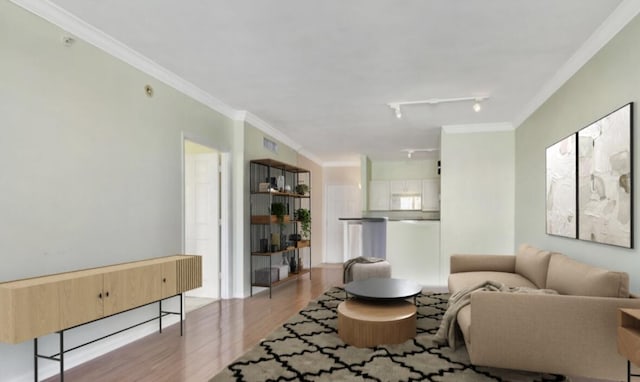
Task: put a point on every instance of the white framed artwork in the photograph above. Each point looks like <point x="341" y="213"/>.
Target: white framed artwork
<point x="605" y="202"/>
<point x="561" y="216"/>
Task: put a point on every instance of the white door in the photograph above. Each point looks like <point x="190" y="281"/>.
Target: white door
<point x="202" y="217"/>
<point x="343" y="201"/>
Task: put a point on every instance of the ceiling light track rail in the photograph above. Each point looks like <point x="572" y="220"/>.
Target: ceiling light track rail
<point x="396" y="106"/>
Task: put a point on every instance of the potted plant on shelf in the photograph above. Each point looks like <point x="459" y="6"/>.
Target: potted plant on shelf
<point x="279" y="210"/>
<point x="302" y="189"/>
<point x="303" y="215"/>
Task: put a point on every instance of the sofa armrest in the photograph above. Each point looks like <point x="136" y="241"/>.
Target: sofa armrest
<point x="571" y="335"/>
<point x="475" y="263"/>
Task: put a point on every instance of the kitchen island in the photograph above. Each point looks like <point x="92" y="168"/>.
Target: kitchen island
<point x="412" y="246"/>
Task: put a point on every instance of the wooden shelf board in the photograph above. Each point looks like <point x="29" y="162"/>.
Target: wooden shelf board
<point x="266" y="254"/>
<point x="279" y="165"/>
<point x="269" y="219"/>
<point x="292" y="276"/>
<point x="278" y="193"/>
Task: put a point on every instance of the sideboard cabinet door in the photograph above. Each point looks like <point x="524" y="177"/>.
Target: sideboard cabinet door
<point x="169" y="280"/>
<point x="132" y="287"/>
<point x="81" y="300"/>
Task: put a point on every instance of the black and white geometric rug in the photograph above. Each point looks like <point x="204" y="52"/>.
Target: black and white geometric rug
<point x="307" y="348"/>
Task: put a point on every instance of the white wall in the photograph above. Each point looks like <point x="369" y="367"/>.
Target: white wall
<point x="477" y="197"/>
<point x="90" y="167"/>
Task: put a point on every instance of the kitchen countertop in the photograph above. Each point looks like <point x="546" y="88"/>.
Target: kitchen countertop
<point x="389" y="219"/>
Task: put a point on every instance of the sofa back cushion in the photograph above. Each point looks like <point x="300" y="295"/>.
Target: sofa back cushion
<point x="533" y="264"/>
<point x="571" y="277"/>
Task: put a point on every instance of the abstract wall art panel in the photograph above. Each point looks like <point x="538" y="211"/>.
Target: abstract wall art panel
<point x="561" y="188"/>
<point x="605" y="205"/>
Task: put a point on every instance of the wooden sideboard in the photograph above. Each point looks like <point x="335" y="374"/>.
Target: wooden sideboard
<point x="38" y="306"/>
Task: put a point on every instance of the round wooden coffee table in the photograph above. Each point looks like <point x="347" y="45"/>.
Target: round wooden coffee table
<point x="366" y="324"/>
<point x="379" y="313"/>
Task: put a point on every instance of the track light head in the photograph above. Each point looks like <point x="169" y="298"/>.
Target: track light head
<point x="476" y="106"/>
<point x="396" y="109"/>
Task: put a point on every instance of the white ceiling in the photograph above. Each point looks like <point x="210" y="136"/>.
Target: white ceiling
<point x="322" y="71"/>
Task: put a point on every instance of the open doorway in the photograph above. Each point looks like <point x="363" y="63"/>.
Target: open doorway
<point x="343" y="240"/>
<point x="202" y="219"/>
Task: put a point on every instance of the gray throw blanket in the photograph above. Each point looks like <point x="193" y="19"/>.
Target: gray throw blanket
<point x="448" y="333"/>
<point x="347" y="276"/>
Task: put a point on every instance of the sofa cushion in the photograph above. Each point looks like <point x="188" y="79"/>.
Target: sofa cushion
<point x="571" y="277"/>
<point x="462" y="280"/>
<point x="533" y="264"/>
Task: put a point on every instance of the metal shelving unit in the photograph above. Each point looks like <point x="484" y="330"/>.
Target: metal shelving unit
<point x="275" y="243"/>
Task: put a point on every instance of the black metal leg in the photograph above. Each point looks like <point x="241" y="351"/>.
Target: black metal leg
<point x="62" y="356"/>
<point x="35" y="359"/>
<point x="181" y="319"/>
<point x="160" y="314"/>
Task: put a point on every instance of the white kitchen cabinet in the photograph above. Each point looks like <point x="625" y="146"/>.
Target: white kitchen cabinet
<point x="405" y="187"/>
<point x="431" y="195"/>
<point x="379" y="195"/>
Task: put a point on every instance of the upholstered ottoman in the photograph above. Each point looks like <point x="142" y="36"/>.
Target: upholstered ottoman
<point x="366" y="268"/>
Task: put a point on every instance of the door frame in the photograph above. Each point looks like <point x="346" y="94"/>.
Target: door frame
<point x="225" y="275"/>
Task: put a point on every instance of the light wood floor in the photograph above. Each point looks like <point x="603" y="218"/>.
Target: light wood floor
<point x="215" y="335"/>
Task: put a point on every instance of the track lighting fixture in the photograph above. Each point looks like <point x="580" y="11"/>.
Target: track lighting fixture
<point x="410" y="152"/>
<point x="396" y="108"/>
<point x="434" y="101"/>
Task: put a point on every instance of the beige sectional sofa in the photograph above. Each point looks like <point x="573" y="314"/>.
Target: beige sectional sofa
<point x="572" y="333"/>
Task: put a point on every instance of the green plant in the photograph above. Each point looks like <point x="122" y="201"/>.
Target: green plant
<point x="302" y="189"/>
<point x="303" y="215"/>
<point x="279" y="210"/>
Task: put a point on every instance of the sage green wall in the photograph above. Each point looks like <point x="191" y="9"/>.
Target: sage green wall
<point x="90" y="167"/>
<point x="609" y="80"/>
<point x="477" y="194"/>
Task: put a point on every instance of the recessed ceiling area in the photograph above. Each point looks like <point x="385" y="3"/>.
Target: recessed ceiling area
<point x="323" y="72"/>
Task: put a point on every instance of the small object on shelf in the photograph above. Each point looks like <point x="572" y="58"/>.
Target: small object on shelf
<point x="278" y="209"/>
<point x="264" y="187"/>
<point x="302" y="189"/>
<point x="264" y="245"/>
<point x="287" y="188"/>
<point x="303" y="215"/>
<point x="261" y="276"/>
<point x="275" y="240"/>
<point x="295" y="237"/>
<point x="284" y="267"/>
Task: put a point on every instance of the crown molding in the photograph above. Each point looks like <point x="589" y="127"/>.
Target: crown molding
<point x="266" y="128"/>
<point x="342" y="164"/>
<point x="94" y="36"/>
<point x="478" y="128"/>
<point x="311" y="156"/>
<point x="617" y="20"/>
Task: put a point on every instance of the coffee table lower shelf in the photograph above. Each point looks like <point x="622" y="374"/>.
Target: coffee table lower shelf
<point x="366" y="324"/>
